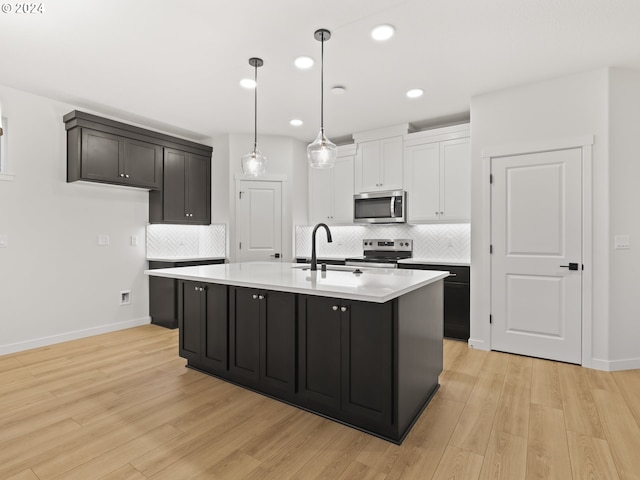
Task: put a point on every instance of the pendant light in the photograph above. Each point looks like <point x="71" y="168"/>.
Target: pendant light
<point x="255" y="163"/>
<point x="322" y="152"/>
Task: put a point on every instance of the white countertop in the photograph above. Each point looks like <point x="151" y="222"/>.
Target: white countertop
<point x="435" y="261"/>
<point x="373" y="285"/>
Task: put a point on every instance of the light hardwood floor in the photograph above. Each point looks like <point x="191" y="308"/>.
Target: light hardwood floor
<point x="123" y="406"/>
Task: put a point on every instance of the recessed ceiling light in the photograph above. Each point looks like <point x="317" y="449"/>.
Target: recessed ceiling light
<point x="304" y="62"/>
<point x="382" y="32"/>
<point x="415" y="93"/>
<point x="338" y="90"/>
<point x="296" y="122"/>
<point x="248" y="83"/>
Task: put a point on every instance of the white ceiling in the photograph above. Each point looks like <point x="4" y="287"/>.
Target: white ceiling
<point x="176" y="65"/>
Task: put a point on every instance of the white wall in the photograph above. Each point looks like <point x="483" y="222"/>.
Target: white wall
<point x="624" y="178"/>
<point x="605" y="103"/>
<point x="572" y="106"/>
<point x="55" y="282"/>
<point x="286" y="157"/>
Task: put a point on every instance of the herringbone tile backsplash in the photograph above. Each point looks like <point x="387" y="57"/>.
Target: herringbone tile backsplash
<point x="433" y="241"/>
<point x="186" y="241"/>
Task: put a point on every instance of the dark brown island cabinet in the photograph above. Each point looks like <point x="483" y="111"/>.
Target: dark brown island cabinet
<point x="372" y="366"/>
<point x="163" y="292"/>
<point x="457" y="298"/>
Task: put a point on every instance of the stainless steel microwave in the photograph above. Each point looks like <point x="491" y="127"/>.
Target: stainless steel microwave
<point x="380" y="207"/>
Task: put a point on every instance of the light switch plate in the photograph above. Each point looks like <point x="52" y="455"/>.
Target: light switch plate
<point x="103" y="240"/>
<point x="4" y="241"/>
<point x="134" y="240"/>
<point x="622" y="242"/>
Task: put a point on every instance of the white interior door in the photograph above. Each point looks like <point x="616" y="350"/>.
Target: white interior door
<point x="259" y="221"/>
<point x="536" y="232"/>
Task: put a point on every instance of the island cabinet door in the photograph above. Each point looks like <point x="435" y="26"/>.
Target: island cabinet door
<point x="319" y="330"/>
<point x="244" y="332"/>
<point x="278" y="341"/>
<point x="191" y="307"/>
<point x="214" y="350"/>
<point x="367" y="360"/>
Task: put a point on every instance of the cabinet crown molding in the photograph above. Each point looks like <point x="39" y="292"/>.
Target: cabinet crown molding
<point x="438" y="134"/>
<point x="381" y="133"/>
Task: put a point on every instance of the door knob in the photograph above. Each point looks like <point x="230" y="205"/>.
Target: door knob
<point x="571" y="266"/>
<point x="343" y="309"/>
<point x="255" y="296"/>
<point x="335" y="308"/>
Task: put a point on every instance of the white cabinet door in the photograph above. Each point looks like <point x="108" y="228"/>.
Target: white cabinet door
<point x="368" y="166"/>
<point x="455" y="180"/>
<point x="379" y="165"/>
<point x="422" y="182"/>
<point x="391" y="164"/>
<point x="320" y="195"/>
<point x="343" y="190"/>
<point x="331" y="192"/>
<point x="437" y="178"/>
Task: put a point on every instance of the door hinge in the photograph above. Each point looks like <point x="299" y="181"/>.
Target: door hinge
<point x="490" y="319"/>
<point x="240" y="195"/>
<point x="490" y="248"/>
<point x="491" y="178"/>
<point x="240" y="246"/>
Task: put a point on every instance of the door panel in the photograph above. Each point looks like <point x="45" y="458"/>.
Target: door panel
<point x="143" y="163"/>
<point x="244" y="338"/>
<point x="173" y="189"/>
<point x="259" y="221"/>
<point x="278" y="341"/>
<point x="198" y="185"/>
<point x="319" y="350"/>
<point x="189" y="319"/>
<point x="215" y="334"/>
<point x="536" y="228"/>
<point x="367" y="332"/>
<point x="455" y="192"/>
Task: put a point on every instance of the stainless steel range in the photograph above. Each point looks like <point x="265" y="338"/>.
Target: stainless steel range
<point x="382" y="253"/>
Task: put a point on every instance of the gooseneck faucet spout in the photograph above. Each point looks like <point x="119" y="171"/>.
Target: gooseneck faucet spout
<point x="314" y="260"/>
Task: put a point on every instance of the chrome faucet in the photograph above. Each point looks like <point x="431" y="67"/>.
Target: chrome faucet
<point x="314" y="260"/>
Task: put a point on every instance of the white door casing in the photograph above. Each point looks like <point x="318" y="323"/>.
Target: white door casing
<point x="536" y="227"/>
<point x="259" y="221"/>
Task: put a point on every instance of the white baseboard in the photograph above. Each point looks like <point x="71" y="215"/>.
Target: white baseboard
<point x="76" y="334"/>
<point x="615" y="365"/>
<point x="478" y="344"/>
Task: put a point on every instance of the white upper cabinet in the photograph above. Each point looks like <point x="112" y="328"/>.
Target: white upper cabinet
<point x="378" y="163"/>
<point x="437" y="175"/>
<point x="331" y="190"/>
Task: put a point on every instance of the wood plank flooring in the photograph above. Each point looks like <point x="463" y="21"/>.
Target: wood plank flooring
<point x="123" y="406"/>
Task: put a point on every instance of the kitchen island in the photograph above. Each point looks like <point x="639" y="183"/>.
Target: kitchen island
<point x="360" y="346"/>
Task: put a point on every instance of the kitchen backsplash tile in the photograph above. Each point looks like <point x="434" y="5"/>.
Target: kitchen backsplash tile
<point x="434" y="241"/>
<point x="186" y="241"/>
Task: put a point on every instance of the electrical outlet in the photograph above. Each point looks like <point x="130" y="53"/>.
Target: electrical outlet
<point x="134" y="240"/>
<point x="622" y="242"/>
<point x="450" y="241"/>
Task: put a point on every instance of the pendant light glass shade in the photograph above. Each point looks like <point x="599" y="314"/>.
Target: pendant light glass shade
<point x="322" y="152"/>
<point x="254" y="163"/>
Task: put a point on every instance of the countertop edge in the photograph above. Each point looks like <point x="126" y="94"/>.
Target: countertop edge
<point x="327" y="292"/>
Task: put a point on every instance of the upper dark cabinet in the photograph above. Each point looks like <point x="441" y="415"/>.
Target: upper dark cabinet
<point x="113" y="159"/>
<point x="186" y="191"/>
<point x="106" y="151"/>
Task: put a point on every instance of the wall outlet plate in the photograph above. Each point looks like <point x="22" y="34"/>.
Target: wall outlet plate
<point x="103" y="240"/>
<point x="622" y="242"/>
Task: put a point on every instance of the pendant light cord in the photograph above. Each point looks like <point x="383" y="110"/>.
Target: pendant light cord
<point x="322" y="84"/>
<point x="255" y="111"/>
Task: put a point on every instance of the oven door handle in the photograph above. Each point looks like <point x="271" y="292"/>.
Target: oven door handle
<point x="391" y="211"/>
